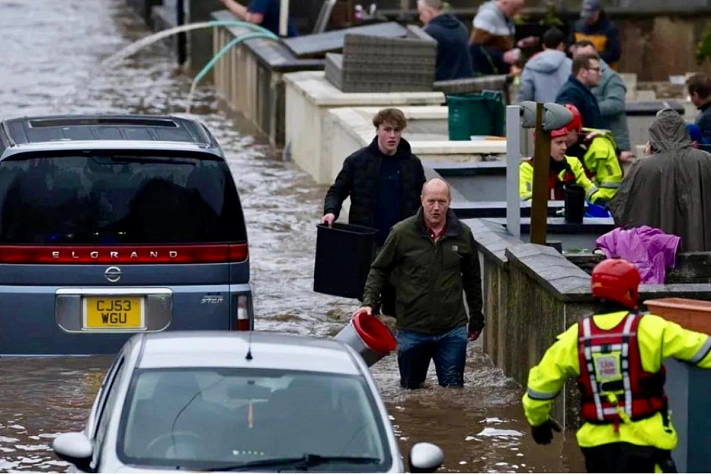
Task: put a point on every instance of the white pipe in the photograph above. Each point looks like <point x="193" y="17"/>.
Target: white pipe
<point x="513" y="160"/>
<point x="284" y="19"/>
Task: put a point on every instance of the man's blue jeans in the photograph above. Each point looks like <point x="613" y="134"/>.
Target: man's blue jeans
<point x="416" y="349"/>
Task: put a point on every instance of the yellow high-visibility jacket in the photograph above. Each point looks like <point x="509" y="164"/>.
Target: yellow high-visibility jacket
<point x="658" y="339"/>
<point x="601" y="161"/>
<point x="576" y="173"/>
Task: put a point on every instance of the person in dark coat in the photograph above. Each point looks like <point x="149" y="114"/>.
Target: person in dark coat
<point x="265" y="13"/>
<point x="699" y="86"/>
<point x="384" y="181"/>
<point x="585" y="75"/>
<point x="595" y="26"/>
<point x="453" y="58"/>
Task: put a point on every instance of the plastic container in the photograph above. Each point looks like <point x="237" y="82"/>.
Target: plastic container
<point x="595" y="210"/>
<point x="476" y="114"/>
<point x="344" y="253"/>
<point x="371" y="338"/>
<point x="574" y="203"/>
<point x="694" y="315"/>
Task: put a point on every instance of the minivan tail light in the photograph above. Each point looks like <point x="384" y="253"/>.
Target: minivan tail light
<point x="242" y="323"/>
<point x="125" y="254"/>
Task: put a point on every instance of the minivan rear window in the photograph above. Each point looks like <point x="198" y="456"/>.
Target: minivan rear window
<point x="118" y="198"/>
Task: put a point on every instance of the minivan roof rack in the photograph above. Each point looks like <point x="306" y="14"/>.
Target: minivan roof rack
<point x="46" y="129"/>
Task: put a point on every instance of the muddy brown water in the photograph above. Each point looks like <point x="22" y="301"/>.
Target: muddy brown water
<point x="51" y="50"/>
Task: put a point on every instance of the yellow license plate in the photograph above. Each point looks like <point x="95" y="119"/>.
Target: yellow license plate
<point x="113" y="312"/>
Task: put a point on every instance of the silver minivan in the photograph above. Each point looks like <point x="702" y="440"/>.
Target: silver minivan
<point x="112" y="225"/>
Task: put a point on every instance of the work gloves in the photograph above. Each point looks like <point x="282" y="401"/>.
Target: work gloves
<point x="543" y="433"/>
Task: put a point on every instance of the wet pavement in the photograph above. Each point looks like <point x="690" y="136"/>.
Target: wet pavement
<point x="51" y="53"/>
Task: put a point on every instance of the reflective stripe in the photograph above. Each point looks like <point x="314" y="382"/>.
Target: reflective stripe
<point x="536" y="395"/>
<point x="608" y="348"/>
<point x="701" y="353"/>
<point x="592" y="191"/>
<point x="591" y="369"/>
<point x="610" y="185"/>
<point x="526" y="197"/>
<point x="625" y="371"/>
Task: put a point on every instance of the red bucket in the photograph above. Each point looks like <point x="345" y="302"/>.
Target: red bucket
<point x="372" y="339"/>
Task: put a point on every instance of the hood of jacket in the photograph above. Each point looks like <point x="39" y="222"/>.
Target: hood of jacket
<point x="668" y="132"/>
<point x="547" y="62"/>
<point x="403" y="149"/>
<point x="446" y="21"/>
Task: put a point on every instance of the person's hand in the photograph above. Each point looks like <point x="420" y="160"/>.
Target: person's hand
<point x="543" y="433"/>
<point x="512" y="56"/>
<point x="364" y="309"/>
<point x="328" y="219"/>
<point x="626" y="156"/>
<point x="527" y="42"/>
<point x="473" y="335"/>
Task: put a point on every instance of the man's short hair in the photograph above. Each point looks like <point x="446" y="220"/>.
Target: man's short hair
<point x="582" y="61"/>
<point x="553" y="37"/>
<point x="394" y="116"/>
<point x="584" y="44"/>
<point x="434" y="4"/>
<point x="699" y="83"/>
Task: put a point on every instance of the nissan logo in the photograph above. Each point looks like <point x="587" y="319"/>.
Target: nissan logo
<point x="113" y="274"/>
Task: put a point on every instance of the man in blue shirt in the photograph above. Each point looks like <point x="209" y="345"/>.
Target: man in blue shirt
<point x="264" y="13"/>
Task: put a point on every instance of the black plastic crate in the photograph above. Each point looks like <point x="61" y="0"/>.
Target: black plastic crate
<point x="344" y="253"/>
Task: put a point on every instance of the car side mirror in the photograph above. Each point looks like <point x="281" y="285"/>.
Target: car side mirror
<point x="75" y="448"/>
<point x="425" y="457"/>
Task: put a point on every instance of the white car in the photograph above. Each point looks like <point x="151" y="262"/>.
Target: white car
<point x="239" y="401"/>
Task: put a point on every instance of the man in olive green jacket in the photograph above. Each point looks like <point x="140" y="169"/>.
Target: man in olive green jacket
<point x="432" y="258"/>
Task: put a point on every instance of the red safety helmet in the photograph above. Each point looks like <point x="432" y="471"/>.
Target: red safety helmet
<point x="616" y="280"/>
<point x="561" y="132"/>
<point x="577" y="122"/>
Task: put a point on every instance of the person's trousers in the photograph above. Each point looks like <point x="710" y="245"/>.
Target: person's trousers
<point x="416" y="350"/>
<point x="626" y="457"/>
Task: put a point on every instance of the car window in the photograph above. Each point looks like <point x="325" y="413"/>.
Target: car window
<point x="203" y="418"/>
<point x="111" y="198"/>
<point x="104" y="415"/>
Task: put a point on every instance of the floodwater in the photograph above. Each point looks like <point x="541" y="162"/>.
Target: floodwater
<point x="51" y="50"/>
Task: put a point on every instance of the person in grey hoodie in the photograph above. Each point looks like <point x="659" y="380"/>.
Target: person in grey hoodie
<point x="545" y="73"/>
<point x="453" y="58"/>
<point x="610" y="95"/>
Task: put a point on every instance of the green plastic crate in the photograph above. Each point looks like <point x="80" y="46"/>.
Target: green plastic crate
<point x="476" y="114"/>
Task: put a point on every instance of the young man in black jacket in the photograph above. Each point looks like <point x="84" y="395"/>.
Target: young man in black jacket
<point x="384" y="181"/>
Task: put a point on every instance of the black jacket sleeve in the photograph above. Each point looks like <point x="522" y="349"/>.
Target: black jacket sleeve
<point x="612" y="51"/>
<point x="340" y="189"/>
<point x="471" y="281"/>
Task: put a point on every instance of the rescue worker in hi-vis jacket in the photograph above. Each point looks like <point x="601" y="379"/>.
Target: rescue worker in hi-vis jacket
<point x="616" y="356"/>
<point x="563" y="169"/>
<point x="597" y="151"/>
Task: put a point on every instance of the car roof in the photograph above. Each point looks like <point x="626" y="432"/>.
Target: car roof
<point x="172" y="349"/>
<point x="67" y="132"/>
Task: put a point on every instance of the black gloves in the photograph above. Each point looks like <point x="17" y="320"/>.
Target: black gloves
<point x="543" y="433"/>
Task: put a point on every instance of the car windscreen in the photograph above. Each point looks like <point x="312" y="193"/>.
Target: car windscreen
<point x="212" y="418"/>
<point x="118" y="198"/>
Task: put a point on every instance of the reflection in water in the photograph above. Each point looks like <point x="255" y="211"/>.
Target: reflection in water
<point x="480" y="427"/>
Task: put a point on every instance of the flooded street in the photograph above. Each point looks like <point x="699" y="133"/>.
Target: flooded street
<point x="51" y="54"/>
